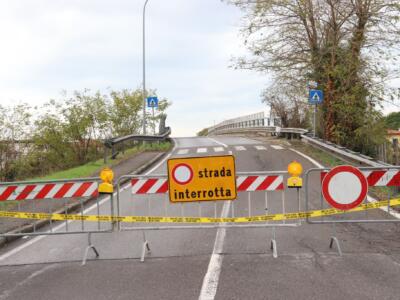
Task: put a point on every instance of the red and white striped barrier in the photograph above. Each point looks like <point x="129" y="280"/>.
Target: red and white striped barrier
<point x="48" y="191"/>
<point x="259" y="183"/>
<point x="379" y="177"/>
<point x="149" y="186"/>
<point x="243" y="183"/>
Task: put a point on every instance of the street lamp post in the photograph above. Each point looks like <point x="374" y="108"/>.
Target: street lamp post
<point x="144" y="67"/>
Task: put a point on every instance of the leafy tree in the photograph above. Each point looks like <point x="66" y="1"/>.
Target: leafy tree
<point x="125" y="112"/>
<point x="392" y="120"/>
<point x="67" y="132"/>
<point x="203" y="132"/>
<point x="14" y="130"/>
<point x="341" y="44"/>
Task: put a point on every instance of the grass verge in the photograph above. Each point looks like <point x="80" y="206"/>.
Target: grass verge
<point x="324" y="158"/>
<point x="91" y="168"/>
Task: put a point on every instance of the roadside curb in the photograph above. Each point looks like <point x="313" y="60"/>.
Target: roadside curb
<point x="39" y="224"/>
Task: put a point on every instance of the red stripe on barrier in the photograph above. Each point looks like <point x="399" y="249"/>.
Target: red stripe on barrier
<point x="246" y="183"/>
<point x="134" y="181"/>
<point x="146" y="186"/>
<point x="7" y="192"/>
<point x="395" y="181"/>
<point x="82" y="189"/>
<point x="374" y="177"/>
<point x="323" y="173"/>
<point x="280" y="187"/>
<point x="163" y="188"/>
<point x="266" y="183"/>
<point x="44" y="191"/>
<point x="95" y="193"/>
<point x="25" y="192"/>
<point x="63" y="190"/>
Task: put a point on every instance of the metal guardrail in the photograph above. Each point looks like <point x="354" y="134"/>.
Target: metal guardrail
<point x="257" y="120"/>
<point x="271" y="129"/>
<point x="346" y="154"/>
<point x="293" y="130"/>
<point x="258" y="123"/>
<point x="111" y="143"/>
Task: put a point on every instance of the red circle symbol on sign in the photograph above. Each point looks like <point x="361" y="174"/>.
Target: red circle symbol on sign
<point x="344" y="187"/>
<point x="182" y="174"/>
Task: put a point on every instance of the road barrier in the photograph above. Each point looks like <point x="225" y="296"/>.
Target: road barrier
<point x="260" y="188"/>
<point x="43" y="200"/>
<point x="341" y="197"/>
<point x="345" y="188"/>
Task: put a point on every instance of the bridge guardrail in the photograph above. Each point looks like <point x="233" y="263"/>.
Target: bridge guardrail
<point x="239" y="126"/>
<point x="111" y="143"/>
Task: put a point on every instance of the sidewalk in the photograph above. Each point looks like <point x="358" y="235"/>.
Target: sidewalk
<point x="136" y="164"/>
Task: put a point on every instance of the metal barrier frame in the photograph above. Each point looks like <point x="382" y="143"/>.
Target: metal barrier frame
<point x="334" y="239"/>
<point x="50" y="231"/>
<point x="273" y="226"/>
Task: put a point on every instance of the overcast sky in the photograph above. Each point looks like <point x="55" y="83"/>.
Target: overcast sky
<point x="52" y="45"/>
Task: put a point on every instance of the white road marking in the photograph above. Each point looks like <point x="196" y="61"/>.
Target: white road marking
<point x="210" y="281"/>
<point x="369" y="198"/>
<point x="163" y="160"/>
<point x="183" y="151"/>
<point x="240" y="148"/>
<point x="260" y="147"/>
<point x="201" y="150"/>
<point x="313" y="161"/>
<point x="219" y="143"/>
<point x="277" y="147"/>
<point x="94" y="206"/>
<point x="219" y="149"/>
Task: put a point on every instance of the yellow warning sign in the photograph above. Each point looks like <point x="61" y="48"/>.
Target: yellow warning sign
<point x="202" y="178"/>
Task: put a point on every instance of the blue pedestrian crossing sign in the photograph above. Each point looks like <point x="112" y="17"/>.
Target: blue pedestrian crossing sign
<point x="316" y="97"/>
<point x="152" y="102"/>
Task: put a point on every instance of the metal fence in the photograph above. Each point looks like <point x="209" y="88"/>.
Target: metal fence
<point x="260" y="119"/>
<point x="380" y="180"/>
<point x="259" y="193"/>
<point x="33" y="201"/>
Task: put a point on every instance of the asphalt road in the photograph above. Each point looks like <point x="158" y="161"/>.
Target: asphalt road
<point x="234" y="263"/>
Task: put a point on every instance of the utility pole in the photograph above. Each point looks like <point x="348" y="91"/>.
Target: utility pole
<point x="144" y="67"/>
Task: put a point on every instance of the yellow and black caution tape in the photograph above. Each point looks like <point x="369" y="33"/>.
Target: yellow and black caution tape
<point x="155" y="219"/>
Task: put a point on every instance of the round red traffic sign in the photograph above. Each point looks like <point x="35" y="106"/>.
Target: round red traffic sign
<point x="182" y="174"/>
<point x="344" y="187"/>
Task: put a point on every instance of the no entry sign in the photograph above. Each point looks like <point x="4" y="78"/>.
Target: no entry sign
<point x="344" y="187"/>
<point x="202" y="178"/>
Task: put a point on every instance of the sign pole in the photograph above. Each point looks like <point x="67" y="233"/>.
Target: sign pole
<point x="154" y="125"/>
<point x="315" y="119"/>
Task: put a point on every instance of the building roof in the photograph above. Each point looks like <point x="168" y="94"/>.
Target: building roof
<point x="393" y="132"/>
